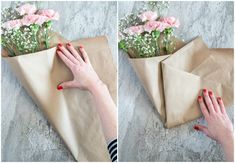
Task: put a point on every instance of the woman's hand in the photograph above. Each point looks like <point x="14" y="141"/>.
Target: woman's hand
<point x="220" y="127"/>
<point x="84" y="75"/>
<point x="86" y="78"/>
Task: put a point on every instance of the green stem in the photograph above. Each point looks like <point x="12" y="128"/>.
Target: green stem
<point x="166" y="43"/>
<point x="46" y="39"/>
<point x="35" y="39"/>
<point x="157" y="46"/>
<point x="10" y="51"/>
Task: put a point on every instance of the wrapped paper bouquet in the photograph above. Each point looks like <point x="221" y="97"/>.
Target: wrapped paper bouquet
<point x="29" y="46"/>
<point x="171" y="71"/>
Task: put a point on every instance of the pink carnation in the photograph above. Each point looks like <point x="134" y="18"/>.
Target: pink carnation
<point x="171" y="21"/>
<point x="135" y="30"/>
<point x="34" y="19"/>
<point x="148" y="15"/>
<point x="152" y="25"/>
<point x="12" y="24"/>
<point x="27" y="9"/>
<point x="41" y="20"/>
<point x="51" y="14"/>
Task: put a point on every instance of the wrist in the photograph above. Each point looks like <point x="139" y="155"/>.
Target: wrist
<point x="228" y="141"/>
<point x="97" y="87"/>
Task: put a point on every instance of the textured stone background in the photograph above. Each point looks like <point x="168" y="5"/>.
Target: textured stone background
<point x="142" y="136"/>
<point x="26" y="134"/>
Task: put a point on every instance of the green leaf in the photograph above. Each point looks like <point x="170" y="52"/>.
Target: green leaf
<point x="122" y="45"/>
<point x="34" y="27"/>
<point x="48" y="24"/>
<point x="155" y="33"/>
<point x="168" y="31"/>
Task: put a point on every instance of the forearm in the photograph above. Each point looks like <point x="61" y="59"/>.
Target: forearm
<point x="106" y="109"/>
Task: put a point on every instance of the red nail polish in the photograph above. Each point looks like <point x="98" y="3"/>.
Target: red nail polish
<point x="210" y="93"/>
<point x="204" y="90"/>
<point x="219" y="98"/>
<point x="59" y="87"/>
<point x="60" y="45"/>
<point x="80" y="46"/>
<point x="196" y="128"/>
<point x="199" y="97"/>
<point x="68" y="44"/>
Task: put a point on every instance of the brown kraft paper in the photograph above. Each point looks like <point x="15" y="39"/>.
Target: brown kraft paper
<point x="187" y="72"/>
<point x="173" y="82"/>
<point x="149" y="72"/>
<point x="70" y="111"/>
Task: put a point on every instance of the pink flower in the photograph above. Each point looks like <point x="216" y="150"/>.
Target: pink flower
<point x="33" y="19"/>
<point x="12" y="24"/>
<point x="26" y="9"/>
<point x="29" y="19"/>
<point x="152" y="25"/>
<point x="51" y="14"/>
<point x="41" y="20"/>
<point x="171" y="21"/>
<point x="148" y="15"/>
<point x="135" y="30"/>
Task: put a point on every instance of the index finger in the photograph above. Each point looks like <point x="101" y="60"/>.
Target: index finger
<point x="65" y="59"/>
<point x="74" y="52"/>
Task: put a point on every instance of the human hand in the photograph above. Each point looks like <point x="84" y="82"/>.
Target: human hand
<point x="85" y="77"/>
<point x="220" y="127"/>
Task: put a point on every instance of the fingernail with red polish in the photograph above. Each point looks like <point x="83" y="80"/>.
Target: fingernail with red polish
<point x="196" y="128"/>
<point x="199" y="97"/>
<point x="80" y="46"/>
<point x="68" y="44"/>
<point x="59" y="87"/>
<point x="204" y="90"/>
<point x="210" y="93"/>
<point x="60" y="45"/>
<point x="219" y="98"/>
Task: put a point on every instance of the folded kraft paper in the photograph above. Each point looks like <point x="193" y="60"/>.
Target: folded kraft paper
<point x="70" y="111"/>
<point x="173" y="82"/>
<point x="149" y="72"/>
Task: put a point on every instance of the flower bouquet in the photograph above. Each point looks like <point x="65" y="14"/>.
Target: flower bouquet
<point x="171" y="71"/>
<point x="149" y="39"/>
<point x="29" y="46"/>
<point x="26" y="29"/>
<point x="150" y="36"/>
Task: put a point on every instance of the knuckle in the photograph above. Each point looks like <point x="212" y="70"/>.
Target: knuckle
<point x="210" y="105"/>
<point x="204" y="109"/>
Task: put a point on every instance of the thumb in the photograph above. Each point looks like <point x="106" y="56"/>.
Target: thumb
<point x="65" y="85"/>
<point x="203" y="129"/>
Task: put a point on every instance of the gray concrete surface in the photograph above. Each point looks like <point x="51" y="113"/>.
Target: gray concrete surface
<point x="142" y="136"/>
<point x="26" y="133"/>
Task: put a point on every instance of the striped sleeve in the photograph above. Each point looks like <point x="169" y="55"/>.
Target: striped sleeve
<point x="112" y="148"/>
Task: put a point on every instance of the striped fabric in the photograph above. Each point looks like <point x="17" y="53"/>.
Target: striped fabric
<point x="112" y="148"/>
